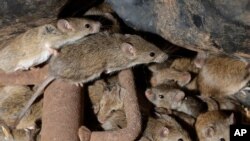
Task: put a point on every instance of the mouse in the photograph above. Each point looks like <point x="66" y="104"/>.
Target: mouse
<point x="36" y="45"/>
<point x="31" y="117"/>
<point x="12" y="100"/>
<point x="164" y="128"/>
<point x="172" y="98"/>
<point x="97" y="54"/>
<point x="163" y="74"/>
<point x="246" y="117"/>
<point x="221" y="75"/>
<point x="185" y="64"/>
<point x="243" y="96"/>
<point x="105" y="14"/>
<point x="111" y="102"/>
<point x="98" y="88"/>
<point x="19" y="135"/>
<point x="106" y="98"/>
<point x="96" y="92"/>
<point x="179" y="116"/>
<point x="115" y="122"/>
<point x="213" y="126"/>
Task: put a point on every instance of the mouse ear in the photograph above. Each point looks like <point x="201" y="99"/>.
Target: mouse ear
<point x="164" y="132"/>
<point x="231" y="119"/>
<point x="64" y="25"/>
<point x="129" y="49"/>
<point x="200" y="59"/>
<point x="148" y="92"/>
<point x="209" y="131"/>
<point x="179" y="96"/>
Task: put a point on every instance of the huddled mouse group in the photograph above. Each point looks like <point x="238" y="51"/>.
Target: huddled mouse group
<point x="181" y="97"/>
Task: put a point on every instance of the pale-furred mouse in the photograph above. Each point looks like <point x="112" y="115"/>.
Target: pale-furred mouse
<point x="100" y="53"/>
<point x="36" y="45"/>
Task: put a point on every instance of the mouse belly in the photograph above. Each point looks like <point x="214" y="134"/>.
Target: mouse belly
<point x="25" y="64"/>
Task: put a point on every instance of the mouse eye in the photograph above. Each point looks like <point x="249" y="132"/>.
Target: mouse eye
<point x="112" y="111"/>
<point x="152" y="54"/>
<point x="161" y="96"/>
<point x="180" y="139"/>
<point x="222" y="139"/>
<point x="87" y="25"/>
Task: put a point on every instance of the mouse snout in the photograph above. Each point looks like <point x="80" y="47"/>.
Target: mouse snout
<point x="101" y="119"/>
<point x="161" y="58"/>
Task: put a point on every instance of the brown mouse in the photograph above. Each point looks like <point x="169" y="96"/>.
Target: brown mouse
<point x="165" y="128"/>
<point x="116" y="121"/>
<point x="111" y="102"/>
<point x="172" y="98"/>
<point x="213" y="126"/>
<point x="19" y="135"/>
<point x="31" y="117"/>
<point x="12" y="100"/>
<point x="108" y="104"/>
<point x="221" y="75"/>
<point x="36" y="45"/>
<point x="99" y="87"/>
<point x="185" y="64"/>
<point x="106" y="99"/>
<point x="96" y="92"/>
<point x="100" y="53"/>
<point x="162" y="74"/>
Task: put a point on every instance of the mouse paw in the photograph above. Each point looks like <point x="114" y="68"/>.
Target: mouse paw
<point x="34" y="68"/>
<point x="7" y="133"/>
<point x="84" y="133"/>
<point x="21" y="68"/>
<point x="53" y="51"/>
<point x="79" y="84"/>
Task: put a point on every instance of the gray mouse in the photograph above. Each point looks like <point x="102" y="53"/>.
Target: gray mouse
<point x="36" y="45"/>
<point x="165" y="128"/>
<point x="172" y="98"/>
<point x="244" y="96"/>
<point x="100" y="53"/>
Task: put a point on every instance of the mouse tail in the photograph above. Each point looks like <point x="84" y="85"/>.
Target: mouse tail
<point x="38" y="92"/>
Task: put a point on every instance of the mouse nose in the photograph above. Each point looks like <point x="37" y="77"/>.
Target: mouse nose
<point x="161" y="58"/>
<point x="101" y="120"/>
